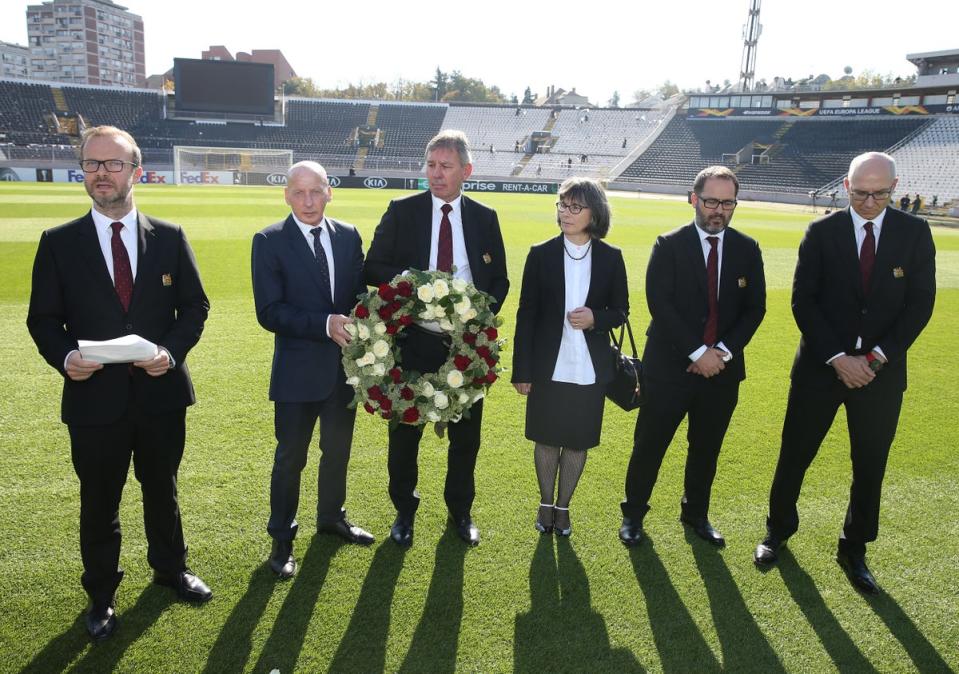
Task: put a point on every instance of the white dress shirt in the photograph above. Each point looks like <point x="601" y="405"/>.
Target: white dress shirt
<point x="460" y="260"/>
<point x="695" y="355"/>
<point x="128" y="235"/>
<point x="327" y="244"/>
<point x="573" y="364"/>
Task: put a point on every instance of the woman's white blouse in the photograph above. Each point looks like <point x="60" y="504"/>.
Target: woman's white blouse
<point x="573" y="364"/>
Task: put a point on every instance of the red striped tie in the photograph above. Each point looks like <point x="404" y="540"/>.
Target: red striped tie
<point x="867" y="256"/>
<point x="122" y="272"/>
<point x="712" y="288"/>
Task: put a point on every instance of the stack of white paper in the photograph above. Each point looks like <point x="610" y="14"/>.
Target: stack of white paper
<point x="126" y="349"/>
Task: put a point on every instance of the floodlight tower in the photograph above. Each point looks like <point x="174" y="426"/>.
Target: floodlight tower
<point x="751" y="32"/>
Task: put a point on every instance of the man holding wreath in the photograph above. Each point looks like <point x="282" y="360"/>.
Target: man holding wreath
<point x="438" y="230"/>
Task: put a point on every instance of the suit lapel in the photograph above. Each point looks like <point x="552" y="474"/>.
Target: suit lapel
<point x="470" y="234"/>
<point x="341" y="265"/>
<point x="89" y="246"/>
<point x="730" y="250"/>
<point x="848" y="253"/>
<point x="889" y="238"/>
<point x="694" y="250"/>
<point x="424" y="231"/>
<point x="146" y="257"/>
<point x="597" y="266"/>
<point x="555" y="269"/>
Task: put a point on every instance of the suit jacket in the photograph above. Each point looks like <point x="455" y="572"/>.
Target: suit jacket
<point x="73" y="298"/>
<point x="402" y="241"/>
<point x="542" y="310"/>
<point x="679" y="304"/>
<point x="832" y="308"/>
<point x="290" y="304"/>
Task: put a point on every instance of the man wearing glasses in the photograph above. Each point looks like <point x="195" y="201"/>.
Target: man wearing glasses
<point x="110" y="273"/>
<point x="706" y="292"/>
<point x="863" y="290"/>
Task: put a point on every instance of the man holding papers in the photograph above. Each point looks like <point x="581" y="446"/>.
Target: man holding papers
<point x="111" y="273"/>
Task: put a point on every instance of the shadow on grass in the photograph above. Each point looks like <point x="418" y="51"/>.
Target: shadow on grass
<point x="678" y="640"/>
<point x="282" y="648"/>
<point x="131" y="624"/>
<point x="433" y="648"/>
<point x="61" y="650"/>
<point x="744" y="646"/>
<point x="233" y="645"/>
<point x="844" y="653"/>
<point x="923" y="654"/>
<point x="562" y="632"/>
<point x="363" y="648"/>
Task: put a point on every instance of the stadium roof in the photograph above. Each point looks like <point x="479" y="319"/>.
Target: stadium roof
<point x="929" y="55"/>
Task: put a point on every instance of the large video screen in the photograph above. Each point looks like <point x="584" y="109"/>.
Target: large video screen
<point x="223" y="86"/>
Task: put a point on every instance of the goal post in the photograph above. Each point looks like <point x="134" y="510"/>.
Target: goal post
<point x="224" y="165"/>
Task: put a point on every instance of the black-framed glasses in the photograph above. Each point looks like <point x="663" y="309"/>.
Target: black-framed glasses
<point x="862" y="195"/>
<point x="709" y="202"/>
<point x="111" y="165"/>
<point x="575" y="209"/>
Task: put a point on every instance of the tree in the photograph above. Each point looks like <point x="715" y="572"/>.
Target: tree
<point x="614" y="100"/>
<point x="640" y="95"/>
<point x="440" y="84"/>
<point x="300" y="86"/>
<point x="667" y="89"/>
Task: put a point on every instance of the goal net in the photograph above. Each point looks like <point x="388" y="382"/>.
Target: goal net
<point x="199" y="164"/>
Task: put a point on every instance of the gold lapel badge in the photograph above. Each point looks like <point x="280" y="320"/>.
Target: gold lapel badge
<point x="486" y="258"/>
<point x="898" y="272"/>
<point x="741" y="281"/>
<point x="167" y="280"/>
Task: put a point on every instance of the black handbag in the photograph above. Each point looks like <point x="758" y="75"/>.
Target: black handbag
<point x="626" y="388"/>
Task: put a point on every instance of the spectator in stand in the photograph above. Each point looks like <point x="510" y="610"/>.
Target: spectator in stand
<point x="916" y="204"/>
<point x="904" y="203"/>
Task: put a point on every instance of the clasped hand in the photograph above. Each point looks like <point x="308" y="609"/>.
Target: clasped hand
<point x="709" y="364"/>
<point x="853" y="371"/>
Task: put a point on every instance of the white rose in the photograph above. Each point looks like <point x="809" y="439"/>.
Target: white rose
<point x="353" y="381"/>
<point x="439" y="311"/>
<point x="445" y="325"/>
<point x="464" y="398"/>
<point x="441" y="401"/>
<point x="433" y="416"/>
<point x="454" y="379"/>
<point x="440" y="289"/>
<point x="428" y="390"/>
<point x="363" y="331"/>
<point x="351" y="329"/>
<point x="380" y="348"/>
<point x="379" y="369"/>
<point x="426" y="314"/>
<point x="469" y="315"/>
<point x="367" y="359"/>
<point x="425" y="293"/>
<point x="380" y="328"/>
<point x="459" y="285"/>
<point x="463" y="306"/>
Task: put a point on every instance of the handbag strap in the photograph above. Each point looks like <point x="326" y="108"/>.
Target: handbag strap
<point x="618" y="343"/>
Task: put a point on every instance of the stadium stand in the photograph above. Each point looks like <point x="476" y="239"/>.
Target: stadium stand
<point x="123" y="108"/>
<point x="23" y="108"/>
<point x="929" y="163"/>
<point x="406" y="128"/>
<point x="498" y="127"/>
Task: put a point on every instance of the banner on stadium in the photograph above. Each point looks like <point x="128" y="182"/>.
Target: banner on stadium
<point x="515" y="187"/>
<point x="31" y="174"/>
<point x="206" y="177"/>
<point x="897" y="110"/>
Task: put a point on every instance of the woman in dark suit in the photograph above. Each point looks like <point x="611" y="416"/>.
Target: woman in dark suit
<point x="574" y="291"/>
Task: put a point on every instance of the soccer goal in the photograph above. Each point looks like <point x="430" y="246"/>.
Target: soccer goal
<point x="219" y="165"/>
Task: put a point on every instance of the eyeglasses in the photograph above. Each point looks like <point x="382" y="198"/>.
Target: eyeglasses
<point x="861" y="195"/>
<point x="709" y="202"/>
<point x="111" y="165"/>
<point x="575" y="209"/>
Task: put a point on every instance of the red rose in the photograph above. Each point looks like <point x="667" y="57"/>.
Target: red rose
<point x="386" y="415"/>
<point x="362" y="311"/>
<point x="491" y="333"/>
<point x="374" y="392"/>
<point x="479" y="381"/>
<point x="396" y="374"/>
<point x="462" y="362"/>
<point x="406" y="393"/>
<point x="386" y="292"/>
<point x="391" y="329"/>
<point x="368" y="408"/>
<point x="404" y="288"/>
<point x="386" y="404"/>
<point x="469" y="338"/>
<point x="491" y="377"/>
<point x="483" y="351"/>
<point x="411" y="415"/>
<point x="490" y="361"/>
<point x="405" y="320"/>
<point x="385" y="312"/>
<point x="395" y="306"/>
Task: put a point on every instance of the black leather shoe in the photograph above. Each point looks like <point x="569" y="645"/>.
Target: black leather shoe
<point x="857" y="572"/>
<point x="347" y="531"/>
<point x="544" y="518"/>
<point x="561" y="518"/>
<point x="767" y="552"/>
<point x="402" y="531"/>
<point x="281" y="559"/>
<point x="187" y="584"/>
<point x="706" y="531"/>
<point x="631" y="531"/>
<point x="466" y="530"/>
<point x="100" y="621"/>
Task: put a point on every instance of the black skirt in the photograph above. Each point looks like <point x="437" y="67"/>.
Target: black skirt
<point x="565" y="415"/>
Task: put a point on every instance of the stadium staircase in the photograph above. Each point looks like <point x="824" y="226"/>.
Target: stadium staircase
<point x="522" y="163"/>
<point x="59" y="99"/>
<point x="363" y="151"/>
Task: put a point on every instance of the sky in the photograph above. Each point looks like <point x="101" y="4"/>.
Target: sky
<point x="597" y="47"/>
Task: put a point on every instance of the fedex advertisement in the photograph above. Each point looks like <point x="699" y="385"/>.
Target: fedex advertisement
<point x="48" y="175"/>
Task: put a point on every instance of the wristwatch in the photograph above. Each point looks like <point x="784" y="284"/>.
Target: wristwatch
<point x="728" y="357"/>
<point x="875" y="364"/>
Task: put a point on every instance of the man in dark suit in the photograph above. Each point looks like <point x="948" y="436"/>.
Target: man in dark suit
<point x="307" y="272"/>
<point x="706" y="292"/>
<point x="440" y="229"/>
<point x="864" y="289"/>
<point x="116" y="272"/>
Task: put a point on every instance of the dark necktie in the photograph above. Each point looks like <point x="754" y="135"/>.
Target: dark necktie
<point x="712" y="289"/>
<point x="867" y="256"/>
<point x="444" y="253"/>
<point x="122" y="271"/>
<point x="321" y="264"/>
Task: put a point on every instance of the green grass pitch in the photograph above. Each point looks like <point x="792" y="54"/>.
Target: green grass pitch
<point x="519" y="601"/>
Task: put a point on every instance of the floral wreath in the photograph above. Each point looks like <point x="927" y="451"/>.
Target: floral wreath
<point x="372" y="362"/>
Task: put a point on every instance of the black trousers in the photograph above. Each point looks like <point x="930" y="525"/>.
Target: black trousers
<point x="294" y="424"/>
<point x="872" y="415"/>
<point x="426" y="352"/>
<point x="709" y="404"/>
<point x="101" y="458"/>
